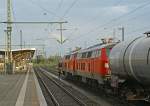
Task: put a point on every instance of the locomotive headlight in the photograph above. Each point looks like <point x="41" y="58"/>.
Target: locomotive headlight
<point x="106" y="65"/>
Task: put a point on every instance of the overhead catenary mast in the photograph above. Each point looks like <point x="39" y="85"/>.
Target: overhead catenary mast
<point x="8" y="56"/>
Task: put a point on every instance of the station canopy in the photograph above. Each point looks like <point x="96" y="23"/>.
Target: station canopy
<point x="21" y="54"/>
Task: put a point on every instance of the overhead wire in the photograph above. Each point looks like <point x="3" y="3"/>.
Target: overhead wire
<point x="69" y="8"/>
<point x="60" y="4"/>
<point x="58" y="7"/>
<point x="93" y="19"/>
<point x="136" y="30"/>
<point x="113" y="20"/>
<point x="44" y="9"/>
<point x="128" y="21"/>
<point x="139" y="29"/>
<point x="53" y="13"/>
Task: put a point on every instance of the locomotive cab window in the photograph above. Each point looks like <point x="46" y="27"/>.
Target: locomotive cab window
<point x="98" y="53"/>
<point x="67" y="57"/>
<point x="79" y="55"/>
<point x="84" y="55"/>
<point x="89" y="54"/>
<point x="94" y="54"/>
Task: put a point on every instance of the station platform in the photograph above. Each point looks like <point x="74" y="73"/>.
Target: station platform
<point x="21" y="90"/>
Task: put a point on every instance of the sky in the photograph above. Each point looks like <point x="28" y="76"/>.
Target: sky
<point x="88" y="21"/>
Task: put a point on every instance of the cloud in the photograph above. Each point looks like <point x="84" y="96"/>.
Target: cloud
<point x="119" y="9"/>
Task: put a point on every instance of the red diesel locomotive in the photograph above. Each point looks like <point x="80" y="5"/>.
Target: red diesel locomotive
<point x="89" y="64"/>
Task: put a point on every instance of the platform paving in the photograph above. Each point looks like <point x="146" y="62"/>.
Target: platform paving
<point x="21" y="90"/>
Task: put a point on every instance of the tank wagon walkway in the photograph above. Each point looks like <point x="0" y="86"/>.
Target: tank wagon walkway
<point x="21" y="90"/>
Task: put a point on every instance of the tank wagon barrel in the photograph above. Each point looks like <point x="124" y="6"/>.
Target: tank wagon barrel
<point x="131" y="60"/>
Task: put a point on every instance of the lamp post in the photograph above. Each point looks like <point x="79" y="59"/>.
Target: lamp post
<point x="122" y="29"/>
<point x="43" y="46"/>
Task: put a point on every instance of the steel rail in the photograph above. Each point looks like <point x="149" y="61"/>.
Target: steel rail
<point x="81" y="103"/>
<point x="50" y="93"/>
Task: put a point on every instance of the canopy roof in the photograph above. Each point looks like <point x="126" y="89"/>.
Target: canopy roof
<point x="20" y="54"/>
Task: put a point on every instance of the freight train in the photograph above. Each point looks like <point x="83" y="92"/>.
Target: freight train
<point x="120" y="67"/>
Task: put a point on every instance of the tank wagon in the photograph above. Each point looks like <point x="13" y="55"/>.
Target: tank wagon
<point x="131" y="60"/>
<point x="130" y="64"/>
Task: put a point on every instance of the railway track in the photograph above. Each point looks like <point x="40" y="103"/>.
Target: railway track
<point x="68" y="87"/>
<point x="115" y="101"/>
<point x="56" y="95"/>
<point x="50" y="99"/>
